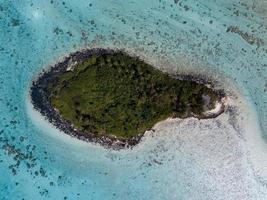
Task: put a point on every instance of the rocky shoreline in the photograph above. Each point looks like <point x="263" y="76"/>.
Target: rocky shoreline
<point x="40" y="97"/>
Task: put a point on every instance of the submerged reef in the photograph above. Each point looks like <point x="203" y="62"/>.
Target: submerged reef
<point x="110" y="97"/>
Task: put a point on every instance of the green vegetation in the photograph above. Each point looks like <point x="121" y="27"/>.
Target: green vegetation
<point x="123" y="96"/>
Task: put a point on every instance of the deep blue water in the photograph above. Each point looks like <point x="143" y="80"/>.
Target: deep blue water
<point x="223" y="158"/>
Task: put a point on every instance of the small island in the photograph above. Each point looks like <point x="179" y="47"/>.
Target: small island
<point x="109" y="97"/>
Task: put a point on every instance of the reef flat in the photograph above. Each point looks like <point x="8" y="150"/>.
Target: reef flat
<point x="107" y="96"/>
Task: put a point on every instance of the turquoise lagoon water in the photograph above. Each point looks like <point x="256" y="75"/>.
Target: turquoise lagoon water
<point x="223" y="158"/>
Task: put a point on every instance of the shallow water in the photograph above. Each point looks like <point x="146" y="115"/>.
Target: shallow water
<point x="222" y="158"/>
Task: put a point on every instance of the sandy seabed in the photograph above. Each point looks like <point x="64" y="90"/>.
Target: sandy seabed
<point x="222" y="158"/>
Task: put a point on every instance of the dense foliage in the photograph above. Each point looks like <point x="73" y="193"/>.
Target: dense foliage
<point x="118" y="95"/>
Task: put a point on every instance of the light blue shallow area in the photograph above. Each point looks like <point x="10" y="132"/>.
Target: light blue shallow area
<point x="187" y="35"/>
